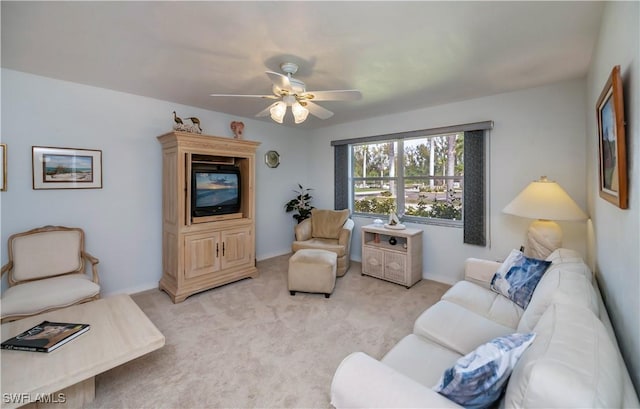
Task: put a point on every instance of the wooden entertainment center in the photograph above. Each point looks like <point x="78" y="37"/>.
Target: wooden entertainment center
<point x="199" y="253"/>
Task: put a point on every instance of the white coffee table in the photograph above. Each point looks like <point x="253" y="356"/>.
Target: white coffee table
<point x="119" y="332"/>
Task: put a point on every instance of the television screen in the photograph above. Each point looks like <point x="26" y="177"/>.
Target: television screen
<point x="216" y="189"/>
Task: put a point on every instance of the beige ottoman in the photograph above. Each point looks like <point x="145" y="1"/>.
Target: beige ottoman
<point x="312" y="271"/>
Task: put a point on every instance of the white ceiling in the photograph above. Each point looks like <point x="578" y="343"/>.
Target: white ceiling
<point x="401" y="55"/>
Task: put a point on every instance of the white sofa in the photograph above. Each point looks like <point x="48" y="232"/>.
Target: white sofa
<point x="574" y="361"/>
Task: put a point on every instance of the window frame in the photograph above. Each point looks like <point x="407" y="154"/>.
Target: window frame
<point x="475" y="207"/>
<point x="400" y="185"/>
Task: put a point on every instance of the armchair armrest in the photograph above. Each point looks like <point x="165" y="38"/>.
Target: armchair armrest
<point x="345" y="233"/>
<point x="303" y="230"/>
<point x="479" y="271"/>
<point x="6" y="268"/>
<point x="363" y="382"/>
<point x="94" y="265"/>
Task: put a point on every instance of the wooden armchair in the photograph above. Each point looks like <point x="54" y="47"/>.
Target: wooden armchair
<point x="46" y="271"/>
<point x="328" y="230"/>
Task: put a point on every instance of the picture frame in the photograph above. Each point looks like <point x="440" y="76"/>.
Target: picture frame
<point x="3" y="167"/>
<point x="66" y="168"/>
<point x="612" y="150"/>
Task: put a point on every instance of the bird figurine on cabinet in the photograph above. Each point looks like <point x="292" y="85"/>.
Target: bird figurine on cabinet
<point x="177" y="119"/>
<point x="195" y="121"/>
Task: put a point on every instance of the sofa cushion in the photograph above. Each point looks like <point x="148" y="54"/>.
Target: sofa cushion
<point x="457" y="328"/>
<point x="485" y="302"/>
<point x="327" y="224"/>
<point x="518" y="276"/>
<point x="419" y="359"/>
<point x="568" y="259"/>
<point x="478" y="378"/>
<point x="573" y="363"/>
<point x="51" y="293"/>
<point x="558" y="286"/>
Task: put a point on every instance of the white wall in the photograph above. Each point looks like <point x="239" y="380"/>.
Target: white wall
<point x="615" y="239"/>
<point x="537" y="132"/>
<point x="122" y="220"/>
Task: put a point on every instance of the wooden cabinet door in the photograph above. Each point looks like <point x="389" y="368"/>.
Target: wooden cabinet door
<point x="202" y="253"/>
<point x="237" y="248"/>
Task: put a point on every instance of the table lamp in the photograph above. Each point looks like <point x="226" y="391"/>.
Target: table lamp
<point x="545" y="201"/>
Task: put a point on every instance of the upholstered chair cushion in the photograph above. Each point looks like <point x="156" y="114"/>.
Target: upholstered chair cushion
<point x="52" y="293"/>
<point x="46" y="254"/>
<point x="327" y="224"/>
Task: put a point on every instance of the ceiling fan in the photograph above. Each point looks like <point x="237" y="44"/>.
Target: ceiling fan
<point x="292" y="92"/>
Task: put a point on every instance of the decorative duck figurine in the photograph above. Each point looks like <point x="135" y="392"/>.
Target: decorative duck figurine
<point x="195" y="121"/>
<point x="177" y="119"/>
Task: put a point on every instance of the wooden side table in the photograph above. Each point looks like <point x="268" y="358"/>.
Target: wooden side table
<point x="400" y="263"/>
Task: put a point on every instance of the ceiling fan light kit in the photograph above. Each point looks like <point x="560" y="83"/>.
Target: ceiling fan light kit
<point x="278" y="109"/>
<point x="292" y="92"/>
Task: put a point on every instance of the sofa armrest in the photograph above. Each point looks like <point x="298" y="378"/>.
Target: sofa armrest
<point x="303" y="230"/>
<point x="363" y="382"/>
<point x="479" y="271"/>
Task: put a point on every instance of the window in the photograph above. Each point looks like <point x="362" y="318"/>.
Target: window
<point x="374" y="175"/>
<point x="421" y="178"/>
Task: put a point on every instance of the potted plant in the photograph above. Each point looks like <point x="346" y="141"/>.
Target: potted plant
<point x="301" y="204"/>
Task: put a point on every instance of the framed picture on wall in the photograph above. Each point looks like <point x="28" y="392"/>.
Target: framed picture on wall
<point x="66" y="168"/>
<point x="3" y="167"/>
<point x="612" y="142"/>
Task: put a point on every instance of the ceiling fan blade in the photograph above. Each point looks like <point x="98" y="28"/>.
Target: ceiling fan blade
<point x="279" y="80"/>
<point x="245" y="96"/>
<point x="335" y="95"/>
<point x="317" y="110"/>
<point x="266" y="111"/>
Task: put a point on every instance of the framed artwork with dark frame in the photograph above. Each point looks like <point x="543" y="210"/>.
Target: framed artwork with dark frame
<point x="66" y="168"/>
<point x="3" y="167"/>
<point x="612" y="148"/>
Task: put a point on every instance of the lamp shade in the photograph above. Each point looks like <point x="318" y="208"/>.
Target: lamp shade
<point x="545" y="199"/>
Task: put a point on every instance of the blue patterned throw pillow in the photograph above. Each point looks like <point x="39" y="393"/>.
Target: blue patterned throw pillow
<point x="477" y="379"/>
<point x="518" y="276"/>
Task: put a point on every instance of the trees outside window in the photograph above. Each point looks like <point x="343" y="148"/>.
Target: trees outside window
<point x="419" y="178"/>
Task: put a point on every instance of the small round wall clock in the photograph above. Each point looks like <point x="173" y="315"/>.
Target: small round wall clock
<point x="272" y="159"/>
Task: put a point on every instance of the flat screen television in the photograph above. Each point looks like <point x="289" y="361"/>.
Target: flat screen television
<point x="215" y="189"/>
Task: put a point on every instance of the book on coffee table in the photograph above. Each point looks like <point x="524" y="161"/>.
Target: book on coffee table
<point x="45" y="337"/>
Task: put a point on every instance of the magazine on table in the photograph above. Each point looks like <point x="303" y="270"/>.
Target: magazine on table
<point x="45" y="337"/>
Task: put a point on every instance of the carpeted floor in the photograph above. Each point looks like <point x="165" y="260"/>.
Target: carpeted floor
<point x="250" y="344"/>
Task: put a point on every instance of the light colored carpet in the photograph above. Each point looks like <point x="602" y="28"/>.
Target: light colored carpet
<point x="250" y="344"/>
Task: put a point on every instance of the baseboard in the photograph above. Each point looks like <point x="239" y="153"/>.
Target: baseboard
<point x="262" y="257"/>
<point x="132" y="290"/>
<point x="439" y="278"/>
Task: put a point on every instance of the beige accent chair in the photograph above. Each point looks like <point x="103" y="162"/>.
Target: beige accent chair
<point x="327" y="230"/>
<point x="46" y="271"/>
